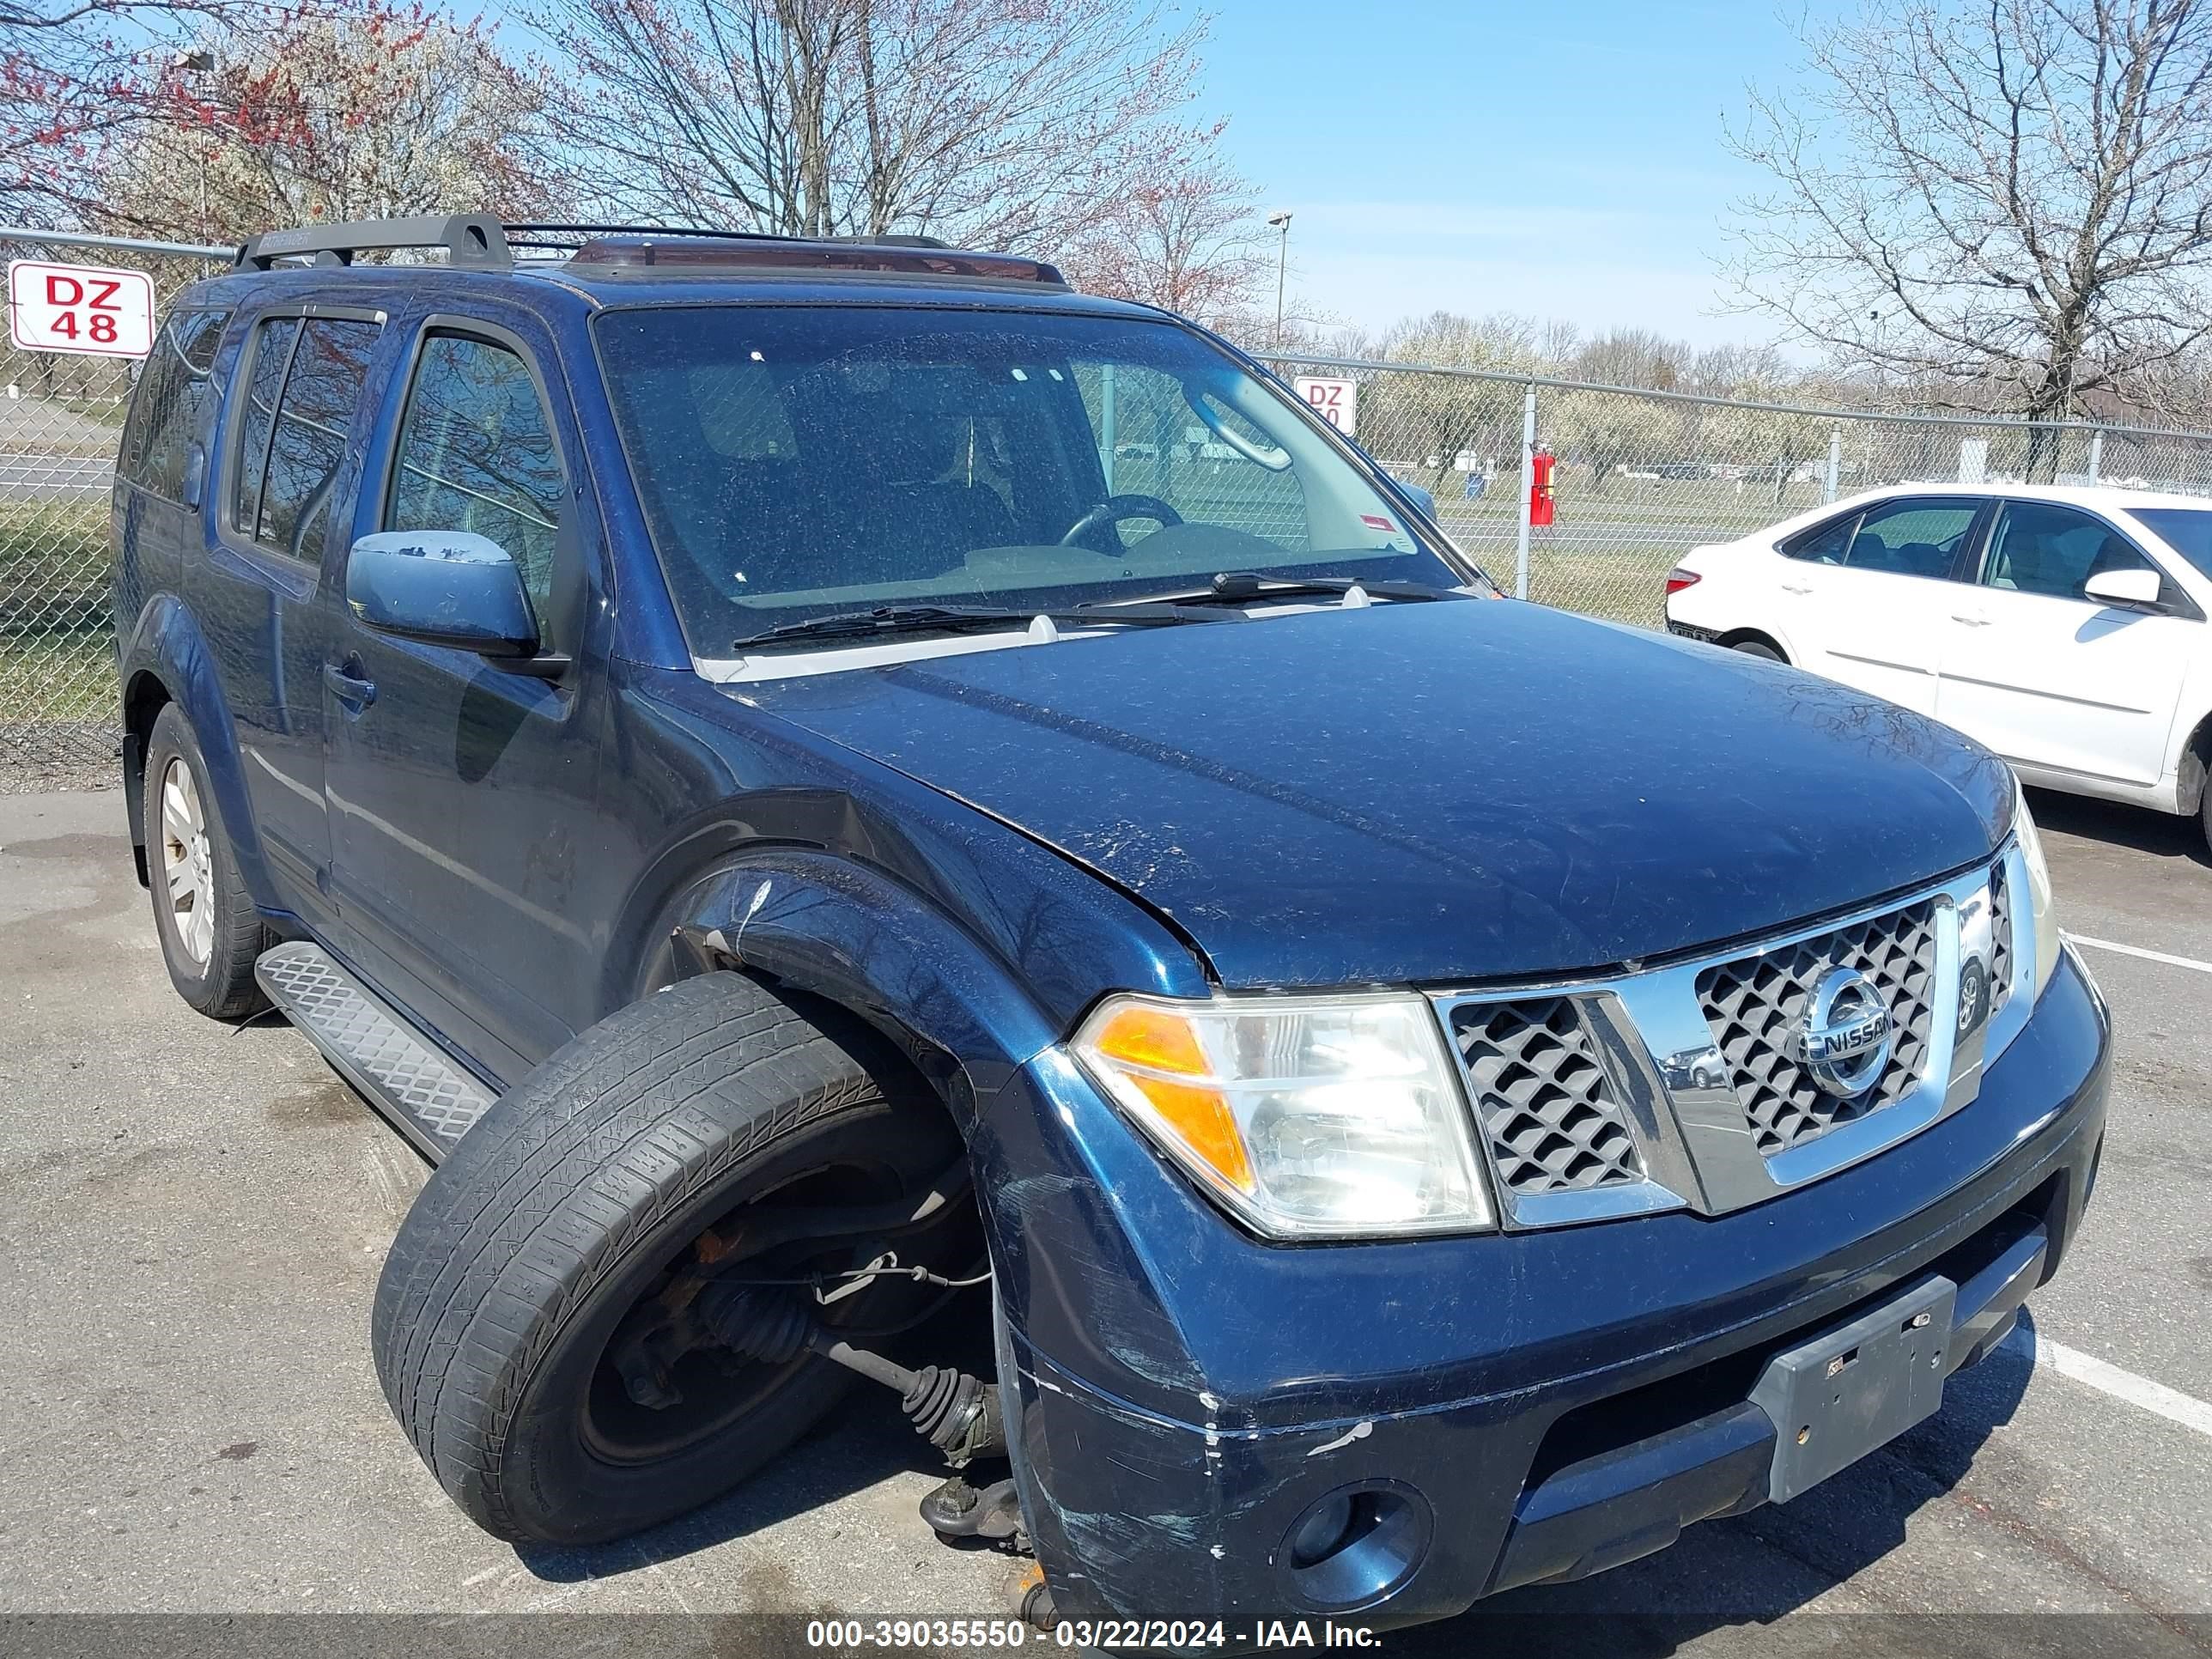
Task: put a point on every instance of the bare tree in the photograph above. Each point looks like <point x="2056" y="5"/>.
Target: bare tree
<point x="1189" y="243"/>
<point x="1003" y="123"/>
<point x="2010" y="199"/>
<point x="376" y="114"/>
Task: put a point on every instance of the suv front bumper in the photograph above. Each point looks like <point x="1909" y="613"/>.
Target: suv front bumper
<point x="1537" y="1407"/>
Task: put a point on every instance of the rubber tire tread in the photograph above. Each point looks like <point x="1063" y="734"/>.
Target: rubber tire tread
<point x="548" y="1193"/>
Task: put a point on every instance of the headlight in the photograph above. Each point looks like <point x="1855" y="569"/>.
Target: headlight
<point x="2038" y="891"/>
<point x="1309" y="1117"/>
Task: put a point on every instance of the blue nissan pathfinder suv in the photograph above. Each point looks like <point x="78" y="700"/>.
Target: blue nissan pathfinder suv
<point x="830" y="785"/>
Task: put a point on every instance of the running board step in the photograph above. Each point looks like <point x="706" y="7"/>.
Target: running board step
<point x="428" y="1098"/>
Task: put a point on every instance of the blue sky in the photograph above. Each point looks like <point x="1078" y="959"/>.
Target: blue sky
<point x="1558" y="161"/>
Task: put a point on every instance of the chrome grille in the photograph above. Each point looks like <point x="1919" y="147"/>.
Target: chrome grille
<point x="1547" y="1108"/>
<point x="1756" y="1004"/>
<point x="2000" y="936"/>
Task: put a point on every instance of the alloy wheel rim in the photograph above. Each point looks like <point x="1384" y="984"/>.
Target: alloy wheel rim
<point x="186" y="865"/>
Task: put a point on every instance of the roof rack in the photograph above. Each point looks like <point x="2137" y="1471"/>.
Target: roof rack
<point x="475" y="241"/>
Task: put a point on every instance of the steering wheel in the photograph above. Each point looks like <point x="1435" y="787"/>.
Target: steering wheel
<point x="1114" y="509"/>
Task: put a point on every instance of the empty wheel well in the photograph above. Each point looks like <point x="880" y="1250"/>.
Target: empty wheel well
<point x="1753" y="636"/>
<point x="143" y="699"/>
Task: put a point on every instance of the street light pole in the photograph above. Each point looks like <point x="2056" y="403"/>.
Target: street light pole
<point x="1280" y="221"/>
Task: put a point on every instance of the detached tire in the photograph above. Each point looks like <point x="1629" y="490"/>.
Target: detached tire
<point x="576" y="1197"/>
<point x="210" y="929"/>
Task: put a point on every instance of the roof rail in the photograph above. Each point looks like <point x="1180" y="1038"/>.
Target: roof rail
<point x="919" y="256"/>
<point x="472" y="241"/>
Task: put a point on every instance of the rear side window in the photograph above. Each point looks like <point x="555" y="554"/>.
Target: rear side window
<point x="2042" y="548"/>
<point x="477" y="453"/>
<point x="1914" y="537"/>
<point x="295" y="439"/>
<point x="171" y="404"/>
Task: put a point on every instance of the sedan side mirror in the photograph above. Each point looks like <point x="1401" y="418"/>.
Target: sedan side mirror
<point x="2132" y="590"/>
<point x="442" y="587"/>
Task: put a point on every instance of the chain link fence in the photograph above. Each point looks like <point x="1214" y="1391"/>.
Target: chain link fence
<point x="61" y="415"/>
<point x="1643" y="477"/>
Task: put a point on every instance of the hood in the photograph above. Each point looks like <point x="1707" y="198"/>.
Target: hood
<point x="1439" y="793"/>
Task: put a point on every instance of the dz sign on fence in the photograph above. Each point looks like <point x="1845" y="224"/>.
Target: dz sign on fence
<point x="1336" y="402"/>
<point x="106" y="313"/>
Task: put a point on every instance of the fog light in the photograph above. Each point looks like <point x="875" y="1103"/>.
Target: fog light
<point x="1356" y="1546"/>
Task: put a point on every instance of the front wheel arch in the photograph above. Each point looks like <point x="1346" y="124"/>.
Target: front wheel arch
<point x="143" y="699"/>
<point x="2191" y="768"/>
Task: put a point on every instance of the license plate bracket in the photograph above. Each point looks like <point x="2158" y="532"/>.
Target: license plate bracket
<point x="1834" y="1399"/>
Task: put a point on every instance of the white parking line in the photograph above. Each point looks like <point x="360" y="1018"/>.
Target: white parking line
<point x="2139" y="1391"/>
<point x="2137" y="951"/>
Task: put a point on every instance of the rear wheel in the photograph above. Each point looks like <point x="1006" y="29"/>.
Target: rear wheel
<point x="540" y="1327"/>
<point x="1758" y="649"/>
<point x="209" y="930"/>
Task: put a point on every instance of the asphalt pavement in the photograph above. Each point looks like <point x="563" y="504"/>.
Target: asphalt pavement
<point x="192" y="1217"/>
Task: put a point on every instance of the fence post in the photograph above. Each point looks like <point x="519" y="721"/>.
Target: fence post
<point x="1527" y="468"/>
<point x="1835" y="464"/>
<point x="2096" y="453"/>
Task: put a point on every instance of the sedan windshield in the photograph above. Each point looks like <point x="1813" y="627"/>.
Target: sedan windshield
<point x="796" y="462"/>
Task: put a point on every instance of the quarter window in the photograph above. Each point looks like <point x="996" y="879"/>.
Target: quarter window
<point x="1824" y="543"/>
<point x="294" y="444"/>
<point x="2042" y="548"/>
<point x="171" y="404"/>
<point x="477" y="453"/>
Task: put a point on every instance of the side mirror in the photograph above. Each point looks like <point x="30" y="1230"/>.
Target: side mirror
<point x="442" y="587"/>
<point x="1423" y="499"/>
<point x="2132" y="590"/>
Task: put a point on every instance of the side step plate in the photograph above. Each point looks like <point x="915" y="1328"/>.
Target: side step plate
<point x="429" y="1099"/>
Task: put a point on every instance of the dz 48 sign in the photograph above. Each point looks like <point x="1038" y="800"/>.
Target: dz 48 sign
<point x="1335" y="401"/>
<point x="107" y="313"/>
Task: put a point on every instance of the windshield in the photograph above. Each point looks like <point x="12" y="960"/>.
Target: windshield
<point x="795" y="462"/>
<point x="2186" y="529"/>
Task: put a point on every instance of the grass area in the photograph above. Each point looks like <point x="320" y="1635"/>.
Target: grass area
<point x="58" y="677"/>
<point x="56" y="653"/>
<point x="1703" y="502"/>
<point x="58" y="535"/>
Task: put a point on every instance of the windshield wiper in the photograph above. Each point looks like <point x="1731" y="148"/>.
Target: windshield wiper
<point x="1243" y="587"/>
<point x="887" y="619"/>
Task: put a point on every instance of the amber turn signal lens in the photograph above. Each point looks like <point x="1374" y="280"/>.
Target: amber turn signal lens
<point x="1137" y="1035"/>
<point x="1144" y="1042"/>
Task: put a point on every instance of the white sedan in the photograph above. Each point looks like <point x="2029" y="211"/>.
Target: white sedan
<point x="2064" y="627"/>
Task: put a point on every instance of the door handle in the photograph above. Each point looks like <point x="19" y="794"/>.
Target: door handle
<point x="1796" y="587"/>
<point x="350" y="689"/>
<point x="1969" y="620"/>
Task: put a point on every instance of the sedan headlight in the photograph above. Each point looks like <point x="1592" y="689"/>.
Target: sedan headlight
<point x="1308" y="1117"/>
<point x="2038" y="891"/>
